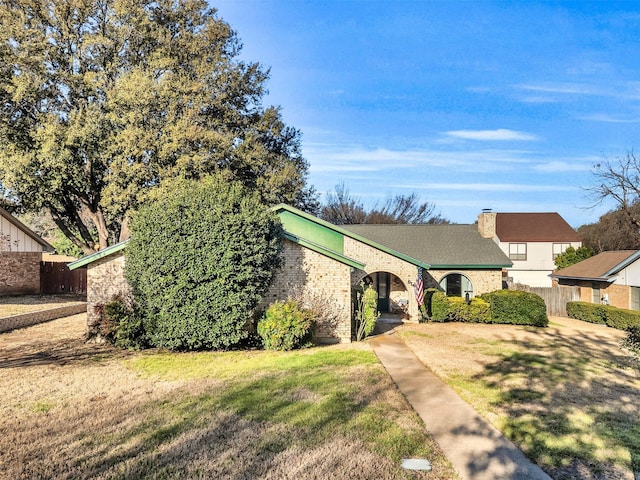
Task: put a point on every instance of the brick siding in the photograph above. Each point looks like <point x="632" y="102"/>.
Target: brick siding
<point x="105" y="279"/>
<point x="482" y="281"/>
<point x="306" y="274"/>
<point x="20" y="273"/>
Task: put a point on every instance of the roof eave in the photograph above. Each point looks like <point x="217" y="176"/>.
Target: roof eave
<point x="325" y="251"/>
<point x="84" y="261"/>
<point x="469" y="267"/>
<point x="352" y="235"/>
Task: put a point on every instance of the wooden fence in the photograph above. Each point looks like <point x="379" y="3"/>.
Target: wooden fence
<point x="55" y="277"/>
<point x="555" y="298"/>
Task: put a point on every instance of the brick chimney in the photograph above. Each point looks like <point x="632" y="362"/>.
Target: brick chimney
<point x="487" y="223"/>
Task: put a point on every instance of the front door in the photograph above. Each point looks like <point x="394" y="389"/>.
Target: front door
<point x="383" y="287"/>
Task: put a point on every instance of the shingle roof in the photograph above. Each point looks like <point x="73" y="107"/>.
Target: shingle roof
<point x="601" y="266"/>
<point x="534" y="227"/>
<point x="439" y="245"/>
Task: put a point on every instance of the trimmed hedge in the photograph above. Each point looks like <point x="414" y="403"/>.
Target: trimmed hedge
<point x="286" y="326"/>
<point x="517" y="307"/>
<point x="502" y="306"/>
<point x="604" y="315"/>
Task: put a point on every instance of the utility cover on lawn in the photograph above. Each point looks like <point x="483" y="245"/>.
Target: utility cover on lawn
<point x="416" y="464"/>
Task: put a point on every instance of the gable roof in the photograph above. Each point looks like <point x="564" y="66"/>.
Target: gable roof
<point x="46" y="246"/>
<point x="314" y="233"/>
<point x="534" y="227"/>
<point x="442" y="246"/>
<point x="601" y="267"/>
<point x="84" y="261"/>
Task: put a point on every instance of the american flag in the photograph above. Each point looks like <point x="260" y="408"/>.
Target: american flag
<point x="418" y="287"/>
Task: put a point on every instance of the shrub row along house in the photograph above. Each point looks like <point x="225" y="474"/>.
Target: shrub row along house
<point x="325" y="262"/>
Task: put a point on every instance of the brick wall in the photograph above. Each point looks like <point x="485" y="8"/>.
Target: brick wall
<point x="20" y="273"/>
<point x="33" y="318"/>
<point x="306" y="274"/>
<point x="482" y="281"/>
<point x="105" y="278"/>
<point x="619" y="295"/>
<point x="378" y="261"/>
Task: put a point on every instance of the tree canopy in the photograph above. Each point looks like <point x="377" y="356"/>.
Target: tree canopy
<point x="572" y="255"/>
<point x="341" y="208"/>
<point x="101" y="100"/>
<point x="613" y="231"/>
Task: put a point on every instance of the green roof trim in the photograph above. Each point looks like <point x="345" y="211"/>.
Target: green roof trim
<point x="84" y="261"/>
<point x="468" y="267"/>
<point x="282" y="207"/>
<point x="325" y="251"/>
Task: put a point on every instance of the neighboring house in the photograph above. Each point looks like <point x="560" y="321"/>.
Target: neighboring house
<point x="20" y="255"/>
<point x="532" y="241"/>
<point x="610" y="278"/>
<point x="325" y="262"/>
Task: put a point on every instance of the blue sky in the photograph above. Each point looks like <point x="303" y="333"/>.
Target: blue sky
<point x="471" y="105"/>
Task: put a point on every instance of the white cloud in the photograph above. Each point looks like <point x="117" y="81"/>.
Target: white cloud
<point x="606" y="118"/>
<point x="488" y="187"/>
<point x="501" y="134"/>
<point x="565" y="166"/>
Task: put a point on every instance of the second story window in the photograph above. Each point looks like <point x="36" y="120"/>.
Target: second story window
<point x="517" y="251"/>
<point x="559" y="249"/>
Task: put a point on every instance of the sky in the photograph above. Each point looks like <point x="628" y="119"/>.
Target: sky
<point x="470" y="105"/>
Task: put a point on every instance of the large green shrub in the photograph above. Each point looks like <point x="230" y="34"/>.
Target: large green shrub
<point x="517" y="307"/>
<point x="604" y="314"/>
<point x="286" y="326"/>
<point x="201" y="256"/>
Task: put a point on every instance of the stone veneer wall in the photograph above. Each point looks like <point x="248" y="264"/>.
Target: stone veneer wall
<point x="378" y="261"/>
<point x="483" y="281"/>
<point x="20" y="273"/>
<point x="105" y="278"/>
<point x="308" y="274"/>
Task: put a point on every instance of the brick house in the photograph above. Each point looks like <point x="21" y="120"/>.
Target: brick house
<point x="610" y="278"/>
<point x="532" y="241"/>
<point x="20" y="255"/>
<point x="326" y="261"/>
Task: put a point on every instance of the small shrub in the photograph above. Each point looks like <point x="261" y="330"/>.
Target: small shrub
<point x="120" y="322"/>
<point x="456" y="309"/>
<point x="366" y="311"/>
<point x="632" y="342"/>
<point x="517" y="307"/>
<point x="285" y="326"/>
<point x="428" y="296"/>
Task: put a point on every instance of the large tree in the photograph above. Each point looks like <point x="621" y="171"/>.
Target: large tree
<point x="613" y="231"/>
<point x="341" y="208"/>
<point x="100" y="100"/>
<point x="619" y="181"/>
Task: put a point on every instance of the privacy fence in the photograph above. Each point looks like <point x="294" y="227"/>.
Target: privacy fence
<point x="555" y="298"/>
<point x="55" y="277"/>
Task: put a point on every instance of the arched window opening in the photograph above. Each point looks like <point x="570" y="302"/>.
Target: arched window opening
<point x="456" y="285"/>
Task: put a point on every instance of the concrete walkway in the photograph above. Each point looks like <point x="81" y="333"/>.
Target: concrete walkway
<point x="477" y="450"/>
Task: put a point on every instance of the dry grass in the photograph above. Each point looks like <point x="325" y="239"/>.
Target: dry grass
<point x="33" y="303"/>
<point x="568" y="395"/>
<point x="74" y="410"/>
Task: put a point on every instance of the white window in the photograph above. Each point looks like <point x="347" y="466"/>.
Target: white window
<point x="517" y="251"/>
<point x="559" y="248"/>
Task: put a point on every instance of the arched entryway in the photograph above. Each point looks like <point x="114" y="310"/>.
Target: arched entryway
<point x="456" y="285"/>
<point x="393" y="295"/>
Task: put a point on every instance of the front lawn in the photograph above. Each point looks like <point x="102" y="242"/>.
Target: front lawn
<point x="567" y="395"/>
<point x="76" y="410"/>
